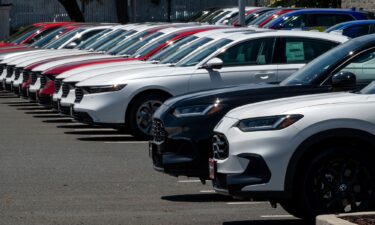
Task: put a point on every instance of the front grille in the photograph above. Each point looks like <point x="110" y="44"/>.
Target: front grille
<point x="17" y="73"/>
<point x="65" y="89"/>
<point x="58" y="83"/>
<point x="34" y="78"/>
<point x="79" y="95"/>
<point x="220" y="146"/>
<point x="2" y="67"/>
<point x="10" y="70"/>
<point x="158" y="131"/>
<point x="43" y="81"/>
<point x="25" y="75"/>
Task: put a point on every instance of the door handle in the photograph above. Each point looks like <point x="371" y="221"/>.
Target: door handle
<point x="264" y="76"/>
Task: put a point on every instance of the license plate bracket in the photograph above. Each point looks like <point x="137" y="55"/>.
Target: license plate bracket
<point x="212" y="168"/>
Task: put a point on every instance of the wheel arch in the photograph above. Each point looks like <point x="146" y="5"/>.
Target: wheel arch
<point x="154" y="90"/>
<point x="305" y="150"/>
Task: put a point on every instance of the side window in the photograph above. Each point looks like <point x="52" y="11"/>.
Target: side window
<point x="41" y="35"/>
<point x="363" y="66"/>
<point x="343" y="18"/>
<point x="356" y="31"/>
<point x="254" y="52"/>
<point x="87" y="36"/>
<point x="304" y="50"/>
<point x="295" y="22"/>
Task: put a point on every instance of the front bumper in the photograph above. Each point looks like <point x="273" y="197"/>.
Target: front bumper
<point x="185" y="147"/>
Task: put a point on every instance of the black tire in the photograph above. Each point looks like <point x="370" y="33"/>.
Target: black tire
<point x="291" y="207"/>
<point x="337" y="180"/>
<point x="142" y="129"/>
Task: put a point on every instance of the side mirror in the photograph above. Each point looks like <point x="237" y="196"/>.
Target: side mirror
<point x="214" y="63"/>
<point x="71" y="45"/>
<point x="344" y="80"/>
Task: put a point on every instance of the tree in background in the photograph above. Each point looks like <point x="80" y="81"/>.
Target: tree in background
<point x="76" y="14"/>
<point x="307" y="3"/>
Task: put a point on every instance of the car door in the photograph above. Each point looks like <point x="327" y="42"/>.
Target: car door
<point x="243" y="63"/>
<point x="295" y="52"/>
<point x="362" y="66"/>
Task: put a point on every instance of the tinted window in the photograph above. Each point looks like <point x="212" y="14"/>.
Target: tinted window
<point x="115" y="41"/>
<point x="304" y="50"/>
<point x="203" y="53"/>
<point x="185" y="50"/>
<point x="56" y="44"/>
<point x="41" y="35"/>
<point x="254" y="52"/>
<point x="294" y="22"/>
<point x="356" y="31"/>
<point x="363" y="66"/>
<point x="327" y="20"/>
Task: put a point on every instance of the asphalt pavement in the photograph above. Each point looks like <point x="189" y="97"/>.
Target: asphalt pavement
<point x="56" y="171"/>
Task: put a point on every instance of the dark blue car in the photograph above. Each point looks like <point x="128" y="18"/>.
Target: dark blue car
<point x="317" y="19"/>
<point x="354" y="29"/>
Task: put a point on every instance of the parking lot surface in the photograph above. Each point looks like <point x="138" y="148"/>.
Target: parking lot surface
<point x="56" y="171"/>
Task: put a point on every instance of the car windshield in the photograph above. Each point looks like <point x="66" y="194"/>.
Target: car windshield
<point x="21" y="35"/>
<point x="335" y="27"/>
<point x="269" y="23"/>
<point x="185" y="50"/>
<point x="127" y="42"/>
<point x="139" y="44"/>
<point x="262" y="18"/>
<point x="208" y="18"/>
<point x="369" y="89"/>
<point x="56" y="44"/>
<point x="313" y="70"/>
<point x="93" y="39"/>
<point x="204" y="52"/>
<point x="106" y="38"/>
<point x="171" y="48"/>
<point x="219" y="17"/>
<point x="50" y="37"/>
<point x="152" y="46"/>
<point x="106" y="46"/>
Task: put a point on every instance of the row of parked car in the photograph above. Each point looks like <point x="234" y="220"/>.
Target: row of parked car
<point x="238" y="106"/>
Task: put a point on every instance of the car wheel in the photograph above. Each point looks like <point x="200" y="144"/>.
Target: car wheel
<point x="140" y="114"/>
<point x="338" y="180"/>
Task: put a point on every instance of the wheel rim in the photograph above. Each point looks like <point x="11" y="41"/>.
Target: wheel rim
<point x="342" y="185"/>
<point x="144" y="115"/>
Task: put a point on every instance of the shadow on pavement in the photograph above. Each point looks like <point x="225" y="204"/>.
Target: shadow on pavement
<point x="45" y="112"/>
<point x="22" y="104"/>
<point x="198" y="198"/>
<point x="49" y="116"/>
<point x="62" y="120"/>
<point x="32" y="108"/>
<point x="93" y="132"/>
<point x="268" y="222"/>
<point x="76" y="126"/>
<point x="110" y="138"/>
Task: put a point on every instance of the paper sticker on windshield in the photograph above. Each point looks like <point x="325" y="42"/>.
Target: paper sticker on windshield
<point x="294" y="51"/>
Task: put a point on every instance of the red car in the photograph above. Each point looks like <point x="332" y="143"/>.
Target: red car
<point x="32" y="33"/>
<point x="47" y="78"/>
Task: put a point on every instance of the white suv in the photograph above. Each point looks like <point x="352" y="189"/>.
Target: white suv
<point x="312" y="154"/>
<point x="131" y="98"/>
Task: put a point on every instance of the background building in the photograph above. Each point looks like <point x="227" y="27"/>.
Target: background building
<point x="365" y="4"/>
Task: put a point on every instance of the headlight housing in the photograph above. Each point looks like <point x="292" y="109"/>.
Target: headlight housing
<point x="196" y="110"/>
<point x="104" y="88"/>
<point x="268" y="123"/>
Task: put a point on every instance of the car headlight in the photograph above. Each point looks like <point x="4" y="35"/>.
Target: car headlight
<point x="104" y="88"/>
<point x="196" y="110"/>
<point x="268" y="123"/>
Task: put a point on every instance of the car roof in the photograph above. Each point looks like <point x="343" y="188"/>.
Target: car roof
<point x="355" y="22"/>
<point x="287" y="33"/>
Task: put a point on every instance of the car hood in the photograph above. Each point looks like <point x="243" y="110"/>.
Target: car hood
<point x="208" y="97"/>
<point x="4" y="56"/>
<point x="286" y="105"/>
<point x="49" y="65"/>
<point x="53" y="56"/>
<point x="122" y="78"/>
<point x="83" y="76"/>
<point x="34" y="54"/>
<point x="91" y="68"/>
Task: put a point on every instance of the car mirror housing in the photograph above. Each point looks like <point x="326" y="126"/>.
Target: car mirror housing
<point x="214" y="63"/>
<point x="344" y="80"/>
<point x="71" y="45"/>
